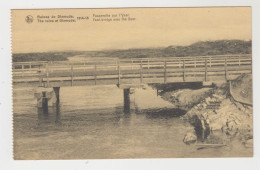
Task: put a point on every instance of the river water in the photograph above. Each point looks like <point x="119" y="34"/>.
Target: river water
<point x="90" y="123"/>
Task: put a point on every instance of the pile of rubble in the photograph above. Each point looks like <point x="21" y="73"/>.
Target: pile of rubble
<point x="187" y="98"/>
<point x="220" y="112"/>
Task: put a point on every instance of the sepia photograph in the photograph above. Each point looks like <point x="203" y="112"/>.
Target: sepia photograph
<point x="132" y="83"/>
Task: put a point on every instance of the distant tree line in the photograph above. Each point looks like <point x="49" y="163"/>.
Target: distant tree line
<point x="220" y="47"/>
<point x="25" y="57"/>
<point x="202" y="48"/>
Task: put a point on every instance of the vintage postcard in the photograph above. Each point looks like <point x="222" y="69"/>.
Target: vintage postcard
<point x="119" y="83"/>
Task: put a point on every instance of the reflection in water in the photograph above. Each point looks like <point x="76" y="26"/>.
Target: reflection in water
<point x="58" y="114"/>
<point x="126" y="101"/>
<point x="51" y="114"/>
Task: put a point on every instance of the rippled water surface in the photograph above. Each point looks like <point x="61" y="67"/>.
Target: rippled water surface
<point x="91" y="123"/>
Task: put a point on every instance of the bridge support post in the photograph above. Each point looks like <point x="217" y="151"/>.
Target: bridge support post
<point x="44" y="103"/>
<point x="128" y="99"/>
<point x="57" y="93"/>
<point x="46" y="97"/>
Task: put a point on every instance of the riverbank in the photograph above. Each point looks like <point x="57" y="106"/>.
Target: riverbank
<point x="216" y="115"/>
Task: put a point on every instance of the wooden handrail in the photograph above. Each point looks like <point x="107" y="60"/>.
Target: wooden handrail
<point x="163" y="68"/>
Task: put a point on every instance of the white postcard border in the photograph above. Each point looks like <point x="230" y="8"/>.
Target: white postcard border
<point x="6" y="101"/>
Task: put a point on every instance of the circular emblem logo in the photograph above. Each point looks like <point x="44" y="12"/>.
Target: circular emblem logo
<point x="29" y="19"/>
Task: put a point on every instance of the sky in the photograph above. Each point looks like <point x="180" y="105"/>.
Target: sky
<point x="149" y="27"/>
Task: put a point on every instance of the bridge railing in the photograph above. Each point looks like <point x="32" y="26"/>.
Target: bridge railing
<point x="183" y="67"/>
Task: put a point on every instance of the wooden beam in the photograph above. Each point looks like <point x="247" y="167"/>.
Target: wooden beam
<point x="206" y="70"/>
<point x="165" y="71"/>
<point x="22" y="70"/>
<point x="226" y="70"/>
<point x="47" y="73"/>
<point x="141" y="72"/>
<point x="72" y="75"/>
<point x="95" y="74"/>
<point x="118" y="69"/>
<point x="184" y="70"/>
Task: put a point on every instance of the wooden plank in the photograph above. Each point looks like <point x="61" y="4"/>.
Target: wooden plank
<point x="40" y="76"/>
<point x="251" y="67"/>
<point x="206" y="69"/>
<point x="209" y="61"/>
<point x="90" y="81"/>
<point x="141" y="72"/>
<point x="226" y="70"/>
<point x="22" y="70"/>
<point x="47" y="73"/>
<point x="165" y="71"/>
<point x="95" y="74"/>
<point x="118" y="69"/>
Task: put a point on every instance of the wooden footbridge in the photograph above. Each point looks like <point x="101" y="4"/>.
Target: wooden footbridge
<point x="131" y="71"/>
<point x="48" y="77"/>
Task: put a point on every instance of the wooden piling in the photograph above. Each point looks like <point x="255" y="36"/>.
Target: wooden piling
<point x="44" y="101"/>
<point x="127" y="100"/>
<point x="206" y="70"/>
<point x="57" y="93"/>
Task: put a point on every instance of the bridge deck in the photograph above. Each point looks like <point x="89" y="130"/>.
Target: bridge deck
<point x="131" y="71"/>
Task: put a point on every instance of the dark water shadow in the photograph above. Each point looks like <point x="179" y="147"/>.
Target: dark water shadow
<point x="123" y="116"/>
<point x="164" y="113"/>
<point x="49" y="114"/>
<point x="176" y="86"/>
<point x="201" y="128"/>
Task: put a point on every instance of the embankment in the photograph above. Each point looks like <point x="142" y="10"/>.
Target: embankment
<point x="225" y="108"/>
